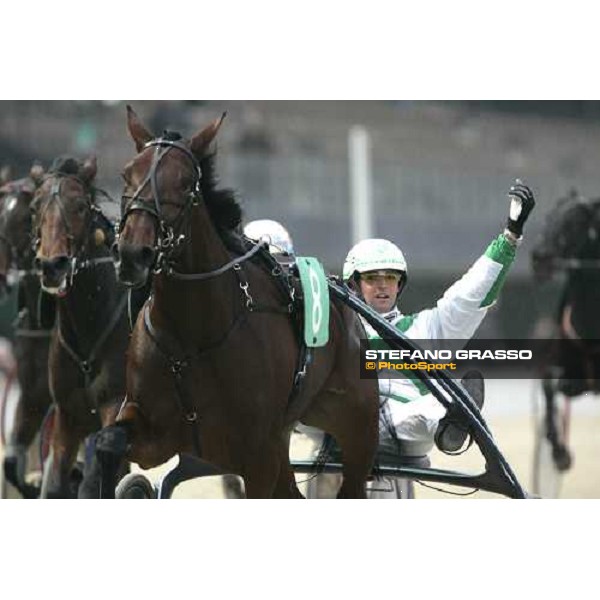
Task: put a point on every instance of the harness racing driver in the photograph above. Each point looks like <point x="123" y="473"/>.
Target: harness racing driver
<point x="377" y="270"/>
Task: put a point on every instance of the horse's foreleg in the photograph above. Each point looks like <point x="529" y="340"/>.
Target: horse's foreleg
<point x="557" y="430"/>
<point x="261" y="475"/>
<point x="63" y="451"/>
<point x="112" y="444"/>
<point x="91" y="484"/>
<point x="28" y="418"/>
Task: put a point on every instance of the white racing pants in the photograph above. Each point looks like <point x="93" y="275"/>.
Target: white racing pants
<point x="414" y="423"/>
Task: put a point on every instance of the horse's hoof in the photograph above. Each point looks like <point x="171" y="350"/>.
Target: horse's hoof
<point x="30" y="492"/>
<point x="562" y="458"/>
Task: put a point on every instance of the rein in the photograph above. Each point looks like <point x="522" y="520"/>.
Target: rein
<point x="232" y="264"/>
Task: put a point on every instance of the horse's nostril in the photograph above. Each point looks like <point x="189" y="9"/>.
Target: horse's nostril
<point x="52" y="267"/>
<point x="37" y="263"/>
<point x="61" y="263"/>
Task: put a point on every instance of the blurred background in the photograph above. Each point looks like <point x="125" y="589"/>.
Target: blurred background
<point x="431" y="176"/>
<point x="438" y="172"/>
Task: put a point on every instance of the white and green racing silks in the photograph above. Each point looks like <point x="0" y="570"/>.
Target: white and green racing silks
<point x="456" y="316"/>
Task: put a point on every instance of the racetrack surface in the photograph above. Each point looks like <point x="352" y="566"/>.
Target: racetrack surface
<point x="509" y="411"/>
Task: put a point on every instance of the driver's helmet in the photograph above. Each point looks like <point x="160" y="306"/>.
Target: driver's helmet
<point x="280" y="241"/>
<point x="374" y="255"/>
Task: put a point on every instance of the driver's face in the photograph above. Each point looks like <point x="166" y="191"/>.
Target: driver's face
<point x="379" y="289"/>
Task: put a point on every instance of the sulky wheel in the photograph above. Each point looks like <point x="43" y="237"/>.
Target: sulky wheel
<point x="135" y="486"/>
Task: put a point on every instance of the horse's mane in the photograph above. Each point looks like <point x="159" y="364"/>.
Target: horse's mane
<point x="66" y="165"/>
<point x="223" y="208"/>
<point x="71" y="166"/>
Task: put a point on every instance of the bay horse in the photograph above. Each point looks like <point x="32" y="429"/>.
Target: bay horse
<point x="571" y="242"/>
<point x="214" y="363"/>
<point x="34" y="322"/>
<point x="87" y="350"/>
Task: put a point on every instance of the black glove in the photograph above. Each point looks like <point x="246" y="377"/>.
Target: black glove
<point x="521" y="204"/>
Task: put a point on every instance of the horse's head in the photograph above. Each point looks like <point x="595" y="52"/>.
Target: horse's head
<point x="571" y="236"/>
<point x="162" y="184"/>
<point x="63" y="216"/>
<point x="15" y="224"/>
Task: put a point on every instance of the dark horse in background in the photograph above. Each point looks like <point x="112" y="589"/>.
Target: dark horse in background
<point x="571" y="242"/>
<point x="34" y="322"/>
<point x="88" y="345"/>
<point x="213" y="356"/>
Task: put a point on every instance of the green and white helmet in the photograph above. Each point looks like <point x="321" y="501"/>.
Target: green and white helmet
<point x="278" y="237"/>
<point x="374" y="255"/>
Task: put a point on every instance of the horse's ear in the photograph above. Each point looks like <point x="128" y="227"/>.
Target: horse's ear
<point x="89" y="170"/>
<point x="201" y="141"/>
<point x="141" y="136"/>
<point x="37" y="173"/>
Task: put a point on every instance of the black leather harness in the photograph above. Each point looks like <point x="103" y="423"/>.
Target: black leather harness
<point x="169" y="240"/>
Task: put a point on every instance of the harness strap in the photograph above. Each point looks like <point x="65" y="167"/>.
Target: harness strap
<point x="85" y="365"/>
<point x="90" y="262"/>
<point x="33" y="333"/>
<point x="210" y="274"/>
<point x="76" y="262"/>
<point x="305" y="358"/>
<point x="283" y="282"/>
<point x="180" y="363"/>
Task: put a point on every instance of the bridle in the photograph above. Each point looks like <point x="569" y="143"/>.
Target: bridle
<point x="170" y="236"/>
<point x="78" y="261"/>
<point x="21" y="253"/>
<point x="169" y="240"/>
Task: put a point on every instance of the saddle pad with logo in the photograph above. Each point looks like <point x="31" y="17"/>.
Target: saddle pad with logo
<point x="316" y="301"/>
